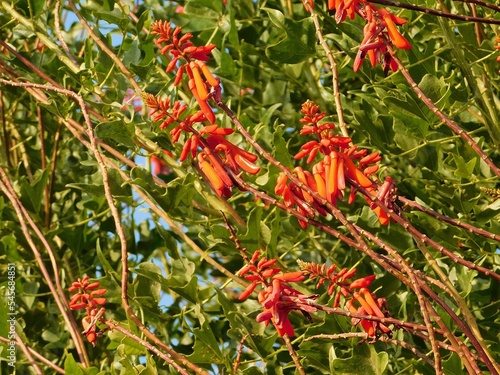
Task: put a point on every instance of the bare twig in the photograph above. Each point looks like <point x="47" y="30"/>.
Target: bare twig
<point x="38" y="356"/>
<point x="106" y="49"/>
<point x="59" y="34"/>
<point x="146" y="344"/>
<point x="446" y="120"/>
<point x="447" y="219"/>
<point x="238" y="355"/>
<point x="28" y="355"/>
<point x="293" y="354"/>
<point x="58" y="294"/>
<point x="333" y="65"/>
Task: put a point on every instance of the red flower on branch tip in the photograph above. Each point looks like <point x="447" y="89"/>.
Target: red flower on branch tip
<point x="354" y="292"/>
<point x="88" y="296"/>
<point x="342" y="164"/>
<point x="276" y="296"/>
<point x="380" y="29"/>
<point x="190" y="59"/>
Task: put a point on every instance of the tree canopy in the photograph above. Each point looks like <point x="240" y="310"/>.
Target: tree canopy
<point x="222" y="186"/>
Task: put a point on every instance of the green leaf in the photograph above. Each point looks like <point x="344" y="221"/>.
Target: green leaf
<point x="146" y="287"/>
<point x="36" y="7"/>
<point x="281" y="149"/>
<point x="206" y="348"/>
<point x="464" y="169"/>
<point x="132" y="53"/>
<point x="9" y="243"/>
<point x="365" y="360"/>
<point x="299" y="42"/>
<point x="128" y="345"/>
<point x="71" y="367"/>
<point x="33" y="192"/>
<point x="118" y="131"/>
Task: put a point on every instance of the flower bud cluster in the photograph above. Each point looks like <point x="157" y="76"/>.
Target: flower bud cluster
<point x="190" y="59"/>
<point x="357" y="297"/>
<point x="341" y="163"/>
<point x="88" y="296"/>
<point x="276" y="296"/>
<point x="208" y="145"/>
<point x="380" y="30"/>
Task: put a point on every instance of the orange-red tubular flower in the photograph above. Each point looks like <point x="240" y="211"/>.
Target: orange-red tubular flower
<point x="211" y="80"/>
<point x="212" y="176"/>
<point x="370" y="301"/>
<point x="207" y="110"/>
<point x="290" y="276"/>
<point x="362" y="283"/>
<point x="354" y="173"/>
<point x="219" y="169"/>
<point x="396" y="37"/>
<point x="200" y="84"/>
<point x="249" y="290"/>
<point x="246" y="164"/>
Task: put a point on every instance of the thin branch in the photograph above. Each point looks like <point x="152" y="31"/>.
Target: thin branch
<point x="146" y="344"/>
<point x="52" y="177"/>
<point x="293" y="354"/>
<point x="333" y="66"/>
<point x="5" y="136"/>
<point x="115" y="214"/>
<point x="43" y="157"/>
<point x="37" y="355"/>
<point x="28" y="355"/>
<point x="446" y="120"/>
<point x="59" y="34"/>
<point x="446" y="219"/>
<point x="61" y="302"/>
<point x="106" y="49"/>
<point x="238" y="355"/>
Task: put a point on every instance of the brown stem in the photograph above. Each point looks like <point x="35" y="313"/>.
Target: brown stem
<point x="28" y="355"/>
<point x="446" y="120"/>
<point x="446" y="219"/>
<point x="5" y="136"/>
<point x="239" y="353"/>
<point x="293" y="354"/>
<point x="57" y="25"/>
<point x="38" y="356"/>
<point x="106" y="49"/>
<point x="333" y="65"/>
<point x="56" y="290"/>
<point x="52" y="178"/>
<point x="147" y="345"/>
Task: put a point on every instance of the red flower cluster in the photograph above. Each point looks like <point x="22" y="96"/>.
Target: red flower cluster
<point x="354" y="292"/>
<point x="88" y="296"/>
<point x="216" y="150"/>
<point x="379" y="30"/>
<point x="342" y="162"/>
<point x="201" y="81"/>
<point x="276" y="296"/>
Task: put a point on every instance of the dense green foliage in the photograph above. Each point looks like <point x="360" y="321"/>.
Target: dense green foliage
<point x="57" y="224"/>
